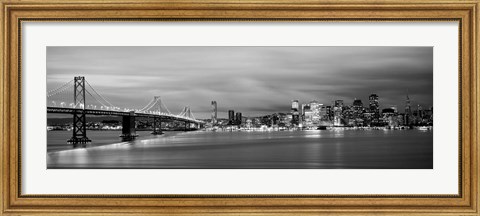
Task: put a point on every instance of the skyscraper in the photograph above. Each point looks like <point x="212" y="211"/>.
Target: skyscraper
<point x="214" y="112"/>
<point x="238" y="118"/>
<point x="420" y="111"/>
<point x="337" y="113"/>
<point x="357" y="103"/>
<point x="295" y="105"/>
<point x="295" y="113"/>
<point x="231" y="117"/>
<point x="408" y="111"/>
<point x="315" y="108"/>
<point x="374" y="106"/>
<point x="357" y="108"/>
<point x="338" y="103"/>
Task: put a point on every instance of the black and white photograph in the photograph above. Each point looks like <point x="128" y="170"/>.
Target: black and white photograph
<point x="239" y="107"/>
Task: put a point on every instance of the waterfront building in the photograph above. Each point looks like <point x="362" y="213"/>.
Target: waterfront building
<point x="308" y="115"/>
<point x="295" y="118"/>
<point x="408" y="111"/>
<point x="388" y="117"/>
<point x="315" y="108"/>
<point x="348" y="115"/>
<point x="420" y="111"/>
<point x="231" y="117"/>
<point x="249" y="124"/>
<point x="214" y="112"/>
<point x="374" y="106"/>
<point x="288" y="119"/>
<point x="324" y="113"/>
<point x="338" y="110"/>
<point x="275" y="119"/>
<point x="238" y="118"/>
<point x="358" y="110"/>
<point x="329" y="113"/>
<point x="305" y="108"/>
<point x="282" y="119"/>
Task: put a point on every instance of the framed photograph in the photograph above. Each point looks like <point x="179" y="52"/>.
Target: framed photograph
<point x="226" y="107"/>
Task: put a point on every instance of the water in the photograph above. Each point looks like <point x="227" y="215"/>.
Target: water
<point x="328" y="149"/>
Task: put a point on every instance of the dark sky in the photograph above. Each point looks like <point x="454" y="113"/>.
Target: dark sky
<point x="251" y="80"/>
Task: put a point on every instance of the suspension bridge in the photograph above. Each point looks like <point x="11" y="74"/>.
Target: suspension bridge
<point x="78" y="98"/>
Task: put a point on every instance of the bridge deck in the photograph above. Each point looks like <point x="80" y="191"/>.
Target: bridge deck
<point x="65" y="110"/>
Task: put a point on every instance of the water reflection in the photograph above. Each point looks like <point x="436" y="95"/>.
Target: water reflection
<point x="285" y="149"/>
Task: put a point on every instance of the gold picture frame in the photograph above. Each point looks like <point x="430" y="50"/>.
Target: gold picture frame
<point x="16" y="12"/>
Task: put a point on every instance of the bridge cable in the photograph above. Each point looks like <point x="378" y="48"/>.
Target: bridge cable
<point x="86" y="90"/>
<point x="59" y="89"/>
<point x="99" y="94"/>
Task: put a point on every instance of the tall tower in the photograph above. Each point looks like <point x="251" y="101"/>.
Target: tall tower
<point x="231" y="117"/>
<point x="338" y="110"/>
<point x="295" y="105"/>
<point x="374" y="106"/>
<point x="79" y="118"/>
<point x="408" y="111"/>
<point x="214" y="112"/>
<point x="238" y="118"/>
<point x="357" y="108"/>
<point x="295" y="113"/>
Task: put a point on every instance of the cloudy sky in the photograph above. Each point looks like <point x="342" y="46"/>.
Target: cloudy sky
<point x="251" y="80"/>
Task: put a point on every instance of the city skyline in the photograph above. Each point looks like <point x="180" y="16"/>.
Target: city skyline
<point x="253" y="80"/>
<point x="400" y="108"/>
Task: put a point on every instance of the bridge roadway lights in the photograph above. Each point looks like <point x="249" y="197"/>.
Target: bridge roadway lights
<point x="128" y="127"/>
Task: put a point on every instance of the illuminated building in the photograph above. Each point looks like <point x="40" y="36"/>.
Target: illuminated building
<point x="305" y="108"/>
<point x="389" y="117"/>
<point x="324" y="113"/>
<point x="214" y="112"/>
<point x="408" y="111"/>
<point x="337" y="113"/>
<point x="249" y="123"/>
<point x="295" y="105"/>
<point x="295" y="118"/>
<point x="374" y="106"/>
<point x="394" y="107"/>
<point x="288" y="119"/>
<point x="315" y="108"/>
<point x="308" y="117"/>
<point x="295" y="114"/>
<point x="329" y="112"/>
<point x="357" y="108"/>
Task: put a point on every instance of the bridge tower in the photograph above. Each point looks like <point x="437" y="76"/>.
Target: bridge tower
<point x="188" y="114"/>
<point x="157" y="121"/>
<point x="79" y="120"/>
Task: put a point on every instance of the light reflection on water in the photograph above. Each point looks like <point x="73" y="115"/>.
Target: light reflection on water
<point x="346" y="149"/>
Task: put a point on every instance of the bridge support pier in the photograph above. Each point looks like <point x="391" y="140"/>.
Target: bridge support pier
<point x="128" y="127"/>
<point x="79" y="129"/>
<point x="157" y="126"/>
